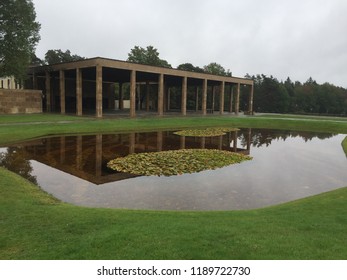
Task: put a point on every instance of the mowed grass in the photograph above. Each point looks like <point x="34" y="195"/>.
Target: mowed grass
<point x="34" y="225"/>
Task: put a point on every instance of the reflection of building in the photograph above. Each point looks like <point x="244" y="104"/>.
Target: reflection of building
<point x="86" y="156"/>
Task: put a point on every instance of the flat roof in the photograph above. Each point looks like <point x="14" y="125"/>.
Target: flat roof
<point x="130" y="66"/>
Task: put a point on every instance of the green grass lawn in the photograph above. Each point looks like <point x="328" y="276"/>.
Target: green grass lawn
<point x="33" y="225"/>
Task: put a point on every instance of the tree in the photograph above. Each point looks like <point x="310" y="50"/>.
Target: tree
<point x="190" y="67"/>
<point x="216" y="69"/>
<point x="19" y="34"/>
<point x="58" y="56"/>
<point x="149" y="56"/>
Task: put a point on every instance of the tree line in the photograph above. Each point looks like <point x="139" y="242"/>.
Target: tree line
<point x="274" y="96"/>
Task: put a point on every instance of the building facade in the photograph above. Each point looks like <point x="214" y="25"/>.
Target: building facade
<point x="87" y="86"/>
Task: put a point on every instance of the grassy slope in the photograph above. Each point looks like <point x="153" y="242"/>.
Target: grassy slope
<point x="73" y="125"/>
<point x="34" y="225"/>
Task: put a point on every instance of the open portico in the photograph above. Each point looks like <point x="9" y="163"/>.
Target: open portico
<point x="88" y="85"/>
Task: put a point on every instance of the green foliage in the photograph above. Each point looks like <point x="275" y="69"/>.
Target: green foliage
<point x="19" y="34"/>
<point x="207" y="132"/>
<point x="273" y="96"/>
<point x="58" y="56"/>
<point x="190" y="67"/>
<point x="149" y="56"/>
<point x="216" y="69"/>
<point x="169" y="163"/>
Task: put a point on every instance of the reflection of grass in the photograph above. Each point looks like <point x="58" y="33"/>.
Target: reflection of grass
<point x="344" y="145"/>
<point x="37" y="226"/>
<point x="176" y="162"/>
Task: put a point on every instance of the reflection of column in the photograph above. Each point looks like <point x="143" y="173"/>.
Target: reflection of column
<point x="62" y="91"/>
<point x="203" y="142"/>
<point x="221" y="98"/>
<point x="132" y="143"/>
<point x="204" y="97"/>
<point x="62" y="149"/>
<point x="78" y="92"/>
<point x="98" y="91"/>
<point x="249" y="140"/>
<point x="235" y="141"/>
<point x="133" y="94"/>
<point x="98" y="155"/>
<point x="237" y="101"/>
<point x="182" y="142"/>
<point x="79" y="152"/>
<point x="159" y="141"/>
<point x="184" y="96"/>
<point x="220" y="142"/>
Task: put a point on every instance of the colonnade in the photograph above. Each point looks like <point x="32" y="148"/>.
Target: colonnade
<point x="102" y="73"/>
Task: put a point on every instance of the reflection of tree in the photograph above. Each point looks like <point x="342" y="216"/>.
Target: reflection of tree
<point x="262" y="137"/>
<point x="14" y="160"/>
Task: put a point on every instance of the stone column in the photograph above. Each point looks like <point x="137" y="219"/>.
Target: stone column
<point x="98" y="91"/>
<point x="79" y="92"/>
<point x="34" y="81"/>
<point x="221" y="98"/>
<point x="213" y="98"/>
<point x="62" y="91"/>
<point x="110" y="96"/>
<point x="133" y="93"/>
<point x="231" y="98"/>
<point x="237" y="101"/>
<point x="48" y="91"/>
<point x="250" y="104"/>
<point x="184" y="97"/>
<point x="204" y="97"/>
<point x="196" y="99"/>
<point x="159" y="141"/>
<point x="121" y="105"/>
<point x="147" y="96"/>
<point x="161" y="95"/>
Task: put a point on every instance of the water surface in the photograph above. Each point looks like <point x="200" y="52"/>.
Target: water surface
<point x="286" y="166"/>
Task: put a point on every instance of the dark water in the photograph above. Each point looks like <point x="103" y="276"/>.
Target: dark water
<point x="286" y="166"/>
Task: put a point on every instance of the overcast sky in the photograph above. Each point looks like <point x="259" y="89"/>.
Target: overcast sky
<point x="295" y="38"/>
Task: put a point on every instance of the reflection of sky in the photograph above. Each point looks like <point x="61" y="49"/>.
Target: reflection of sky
<point x="282" y="171"/>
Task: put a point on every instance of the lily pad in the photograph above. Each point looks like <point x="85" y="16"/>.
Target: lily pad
<point x="207" y="132"/>
<point x="176" y="162"/>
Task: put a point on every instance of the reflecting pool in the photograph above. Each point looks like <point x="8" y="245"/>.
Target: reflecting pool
<point x="286" y="165"/>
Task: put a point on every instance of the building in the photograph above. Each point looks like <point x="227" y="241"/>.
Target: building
<point x="9" y="83"/>
<point x="85" y="86"/>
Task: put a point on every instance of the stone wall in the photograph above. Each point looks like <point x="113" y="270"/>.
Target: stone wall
<point x="17" y="101"/>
